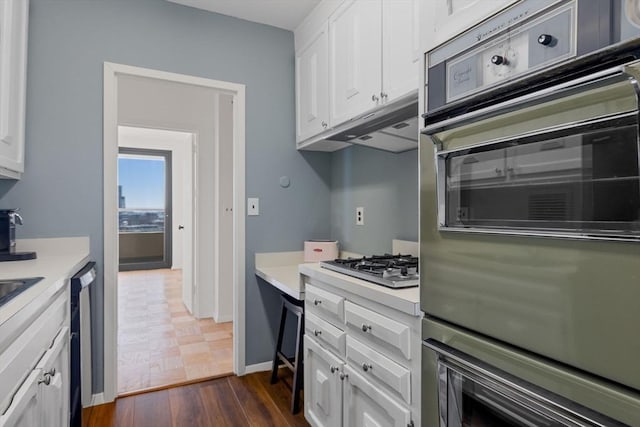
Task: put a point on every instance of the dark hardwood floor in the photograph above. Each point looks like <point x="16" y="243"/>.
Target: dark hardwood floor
<point x="231" y="401"/>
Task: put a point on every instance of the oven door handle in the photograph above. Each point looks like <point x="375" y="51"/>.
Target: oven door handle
<point x="562" y="407"/>
<point x="617" y="74"/>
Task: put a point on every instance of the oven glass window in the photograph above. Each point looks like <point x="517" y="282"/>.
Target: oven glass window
<point x="471" y="404"/>
<point x="586" y="182"/>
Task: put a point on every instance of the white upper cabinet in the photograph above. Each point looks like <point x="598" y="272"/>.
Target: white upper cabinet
<point x="451" y="17"/>
<point x="312" y="85"/>
<point x="400" y="47"/>
<point x="13" y="69"/>
<point x="355" y="57"/>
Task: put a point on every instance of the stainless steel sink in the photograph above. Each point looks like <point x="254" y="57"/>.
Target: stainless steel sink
<point x="9" y="288"/>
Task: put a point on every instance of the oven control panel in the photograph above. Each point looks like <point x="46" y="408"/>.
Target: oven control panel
<point x="534" y="43"/>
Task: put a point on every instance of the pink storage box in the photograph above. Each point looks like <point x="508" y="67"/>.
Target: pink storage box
<point x="320" y="250"/>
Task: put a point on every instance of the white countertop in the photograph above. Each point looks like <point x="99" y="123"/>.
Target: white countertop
<point x="406" y="300"/>
<point x="280" y="269"/>
<point x="57" y="260"/>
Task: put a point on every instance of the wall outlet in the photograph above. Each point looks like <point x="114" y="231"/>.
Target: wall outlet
<point x="253" y="206"/>
<point x="360" y="216"/>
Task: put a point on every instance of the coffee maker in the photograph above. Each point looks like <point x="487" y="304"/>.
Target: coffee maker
<point x="8" y="220"/>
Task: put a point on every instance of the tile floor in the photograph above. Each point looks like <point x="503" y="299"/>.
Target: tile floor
<point x="159" y="342"/>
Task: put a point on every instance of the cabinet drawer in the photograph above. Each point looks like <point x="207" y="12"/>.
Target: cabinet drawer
<point x="379" y="328"/>
<point x="371" y="363"/>
<point x="323" y="303"/>
<point x="325" y="332"/>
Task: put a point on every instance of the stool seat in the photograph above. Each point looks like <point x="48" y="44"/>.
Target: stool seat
<point x="296" y="308"/>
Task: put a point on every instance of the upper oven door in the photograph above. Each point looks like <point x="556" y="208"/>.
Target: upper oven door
<point x="560" y="163"/>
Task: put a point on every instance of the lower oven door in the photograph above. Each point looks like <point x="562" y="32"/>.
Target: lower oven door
<point x="472" y="381"/>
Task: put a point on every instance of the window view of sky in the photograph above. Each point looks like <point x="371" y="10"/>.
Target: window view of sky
<point x="142" y="181"/>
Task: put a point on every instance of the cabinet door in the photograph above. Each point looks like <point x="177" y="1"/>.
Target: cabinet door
<point x="13" y="63"/>
<point x="400" y="48"/>
<point x="25" y="407"/>
<point x="312" y="86"/>
<point x="322" y="386"/>
<point x="366" y="405"/>
<point x="451" y="17"/>
<point x="355" y="58"/>
<point x="54" y="367"/>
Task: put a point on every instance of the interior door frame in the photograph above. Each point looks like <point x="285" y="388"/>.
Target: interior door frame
<point x="110" y="194"/>
<point x="168" y="211"/>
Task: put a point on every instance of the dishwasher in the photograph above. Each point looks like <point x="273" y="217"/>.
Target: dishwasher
<point x="80" y="390"/>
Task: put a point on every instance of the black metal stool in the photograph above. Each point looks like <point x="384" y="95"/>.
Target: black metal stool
<point x="296" y="307"/>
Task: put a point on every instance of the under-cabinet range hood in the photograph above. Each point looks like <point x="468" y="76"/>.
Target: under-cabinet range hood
<point x="391" y="127"/>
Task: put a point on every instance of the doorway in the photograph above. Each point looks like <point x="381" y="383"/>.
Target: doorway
<point x="144" y="209"/>
<point x="116" y="78"/>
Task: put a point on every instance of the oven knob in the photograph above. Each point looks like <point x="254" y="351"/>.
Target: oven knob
<point x="545" y="39"/>
<point x="498" y="60"/>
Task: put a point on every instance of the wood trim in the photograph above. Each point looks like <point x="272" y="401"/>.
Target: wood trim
<point x="110" y="152"/>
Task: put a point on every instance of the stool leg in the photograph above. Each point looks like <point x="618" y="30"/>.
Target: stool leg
<point x="298" y="375"/>
<point x="276" y="361"/>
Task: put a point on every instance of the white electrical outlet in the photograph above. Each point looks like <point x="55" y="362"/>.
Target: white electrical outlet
<point x="360" y="216"/>
<point x="253" y="206"/>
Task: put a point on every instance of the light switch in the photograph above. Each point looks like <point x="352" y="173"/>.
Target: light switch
<point x="253" y="206"/>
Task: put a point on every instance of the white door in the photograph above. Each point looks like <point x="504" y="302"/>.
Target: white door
<point x="322" y="386"/>
<point x="400" y="48"/>
<point x="54" y="391"/>
<point x="187" y="230"/>
<point x="312" y="85"/>
<point x="355" y="59"/>
<point x="451" y="17"/>
<point x="366" y="405"/>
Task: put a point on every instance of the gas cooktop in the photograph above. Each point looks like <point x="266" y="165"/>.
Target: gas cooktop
<point x="393" y="271"/>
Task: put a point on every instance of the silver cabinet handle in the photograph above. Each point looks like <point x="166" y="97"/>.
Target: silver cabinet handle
<point x="384" y="95"/>
<point x="324" y="124"/>
<point x="52" y="372"/>
<point x="343" y="376"/>
<point x="316" y="332"/>
<point x="367" y="366"/>
<point x="366" y="328"/>
<point x="317" y="302"/>
<point x="333" y="369"/>
<point x="46" y="379"/>
<point x="375" y="98"/>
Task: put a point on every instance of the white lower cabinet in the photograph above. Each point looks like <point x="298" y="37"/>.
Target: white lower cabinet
<point x="366" y="405"/>
<point x="323" y="387"/>
<point x="360" y="369"/>
<point x="43" y="399"/>
<point x="34" y="364"/>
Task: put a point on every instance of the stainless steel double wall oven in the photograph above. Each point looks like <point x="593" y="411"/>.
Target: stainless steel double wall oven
<point x="530" y="219"/>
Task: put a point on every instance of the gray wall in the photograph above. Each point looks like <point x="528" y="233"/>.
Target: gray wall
<point x="386" y="185"/>
<point x="61" y="192"/>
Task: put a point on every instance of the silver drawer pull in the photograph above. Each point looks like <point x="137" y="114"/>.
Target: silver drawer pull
<point x="317" y="302"/>
<point x="316" y="332"/>
<point x="52" y="372"/>
<point x="333" y="369"/>
<point x="367" y="366"/>
<point x="46" y="379"/>
<point x="366" y="328"/>
<point x="343" y="376"/>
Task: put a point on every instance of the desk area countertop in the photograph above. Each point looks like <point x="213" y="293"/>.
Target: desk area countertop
<point x="280" y="269"/>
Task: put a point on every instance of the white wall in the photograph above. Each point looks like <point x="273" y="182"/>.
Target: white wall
<point x="179" y="143"/>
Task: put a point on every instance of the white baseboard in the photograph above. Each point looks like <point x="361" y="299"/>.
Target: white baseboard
<point x="97" y="399"/>
<point x="223" y="319"/>
<point x="258" y="367"/>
